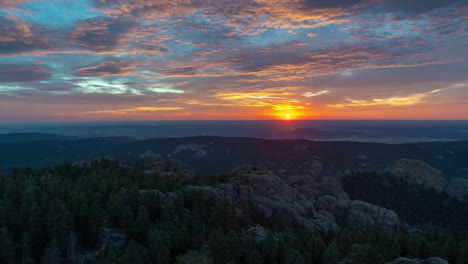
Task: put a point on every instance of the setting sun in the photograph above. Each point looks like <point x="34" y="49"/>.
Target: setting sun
<point x="287" y="117"/>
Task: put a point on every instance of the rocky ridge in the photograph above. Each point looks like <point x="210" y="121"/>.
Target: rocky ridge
<point x="433" y="260"/>
<point x="424" y="174"/>
<point x="313" y="204"/>
<point x="419" y="172"/>
<point x="458" y="188"/>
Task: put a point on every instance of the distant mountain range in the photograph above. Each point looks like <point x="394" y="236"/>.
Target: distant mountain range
<point x="209" y="154"/>
<point x="25" y="137"/>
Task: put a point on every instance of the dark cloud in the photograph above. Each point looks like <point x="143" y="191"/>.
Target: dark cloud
<point x="24" y="73"/>
<point x="415" y="7"/>
<point x="182" y="71"/>
<point x="18" y="36"/>
<point x="101" y="34"/>
<point x="53" y="86"/>
<point x="107" y="67"/>
<point x="332" y="3"/>
<point x="145" y="48"/>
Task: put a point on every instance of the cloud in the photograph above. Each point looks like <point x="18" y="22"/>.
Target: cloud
<point x="108" y="67"/>
<point x="244" y="56"/>
<point x="182" y="71"/>
<point x="19" y="36"/>
<point x="102" y="34"/>
<point x="312" y="94"/>
<point x="24" y="73"/>
<point x="134" y="110"/>
<point x="324" y="4"/>
<point x="409" y="100"/>
<point x="416" y="7"/>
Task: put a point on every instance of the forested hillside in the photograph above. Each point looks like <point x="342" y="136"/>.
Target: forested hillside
<point x="415" y="204"/>
<point x="210" y="154"/>
<point x="108" y="212"/>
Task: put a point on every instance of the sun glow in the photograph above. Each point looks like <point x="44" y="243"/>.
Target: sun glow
<point x="287" y="117"/>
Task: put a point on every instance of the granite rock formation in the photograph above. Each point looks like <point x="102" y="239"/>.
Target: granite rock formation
<point x="313" y="204"/>
<point x="418" y="172"/>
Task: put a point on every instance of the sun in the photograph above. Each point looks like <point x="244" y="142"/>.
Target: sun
<point x="287" y="117"/>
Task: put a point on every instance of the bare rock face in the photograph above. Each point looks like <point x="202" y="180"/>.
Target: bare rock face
<point x="318" y="187"/>
<point x="326" y="202"/>
<point x="312" y="204"/>
<point x="419" y="261"/>
<point x="458" y="188"/>
<point x="257" y="233"/>
<point x="362" y="215"/>
<point x="197" y="151"/>
<point x="271" y="193"/>
<point x="418" y="172"/>
<point x="172" y="168"/>
<point x="216" y="193"/>
<point x="253" y="169"/>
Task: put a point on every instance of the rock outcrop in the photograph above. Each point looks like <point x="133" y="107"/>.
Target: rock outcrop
<point x="271" y="193"/>
<point x="171" y="168"/>
<point x="257" y="233"/>
<point x="313" y="204"/>
<point x="434" y="260"/>
<point x="362" y="215"/>
<point x="418" y="172"/>
<point x="458" y="188"/>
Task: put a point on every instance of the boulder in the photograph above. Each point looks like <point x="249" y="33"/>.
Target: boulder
<point x="363" y="215"/>
<point x="253" y="169"/>
<point x="418" y="172"/>
<point x="326" y="202"/>
<point x="172" y="168"/>
<point x="271" y="193"/>
<point x="458" y="188"/>
<point x="257" y="233"/>
<point x="433" y="260"/>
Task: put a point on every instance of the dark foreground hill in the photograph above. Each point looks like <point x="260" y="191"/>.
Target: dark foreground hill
<point x="105" y="211"/>
<point x="220" y="154"/>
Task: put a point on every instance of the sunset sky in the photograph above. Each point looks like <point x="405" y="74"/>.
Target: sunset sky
<point x="239" y="59"/>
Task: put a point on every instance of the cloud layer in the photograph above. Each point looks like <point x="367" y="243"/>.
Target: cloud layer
<point x="246" y="59"/>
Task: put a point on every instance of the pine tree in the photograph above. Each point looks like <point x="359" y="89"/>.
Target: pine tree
<point x="295" y="257"/>
<point x="270" y="249"/>
<point x="141" y="225"/>
<point x="193" y="257"/>
<point x="164" y="255"/>
<point x="134" y="253"/>
<point x="217" y="247"/>
<point x="233" y="246"/>
<point x="367" y="254"/>
<point x="316" y="247"/>
<point x="37" y="231"/>
<point x="254" y="257"/>
<point x="395" y="250"/>
<point x="52" y="254"/>
<point x="331" y="254"/>
<point x="7" y="247"/>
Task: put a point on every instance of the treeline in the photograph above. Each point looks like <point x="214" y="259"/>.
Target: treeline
<point x="413" y="203"/>
<point x="107" y="212"/>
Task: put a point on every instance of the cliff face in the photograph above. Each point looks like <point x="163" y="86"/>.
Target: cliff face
<point x="315" y="205"/>
<point x="458" y="188"/>
<point x="418" y="172"/>
<point x="423" y="174"/>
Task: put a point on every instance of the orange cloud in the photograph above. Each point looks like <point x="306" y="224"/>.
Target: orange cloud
<point x="391" y="101"/>
<point x="133" y="110"/>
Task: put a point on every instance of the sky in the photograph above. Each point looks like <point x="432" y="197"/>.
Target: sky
<point x="86" y="60"/>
